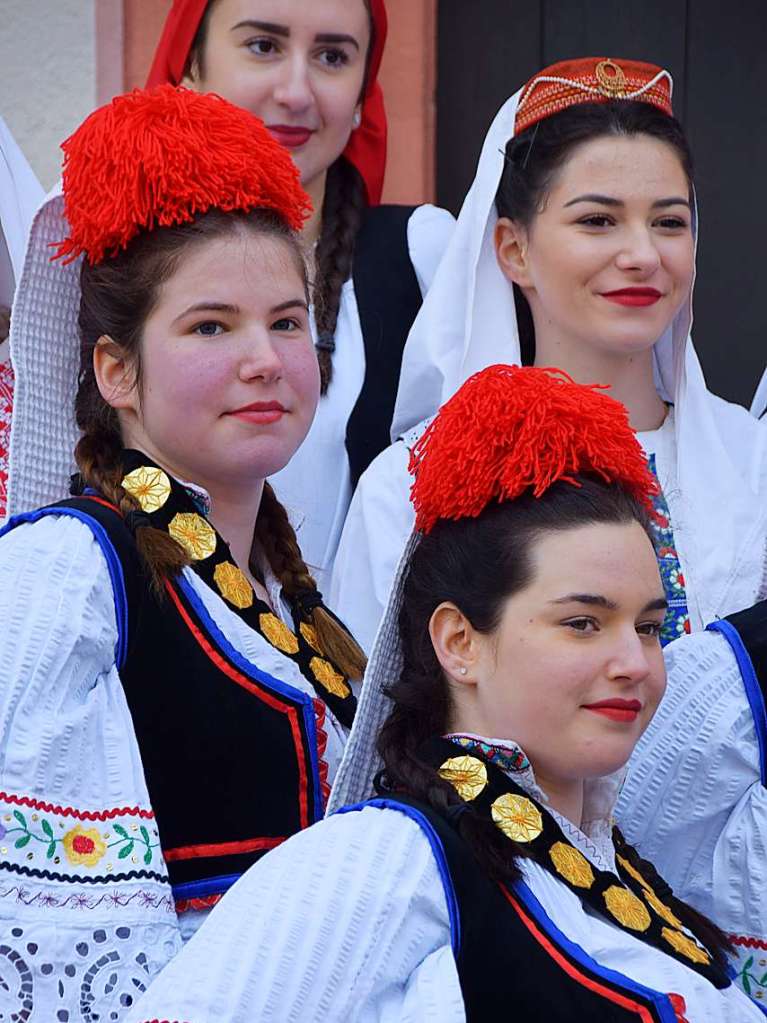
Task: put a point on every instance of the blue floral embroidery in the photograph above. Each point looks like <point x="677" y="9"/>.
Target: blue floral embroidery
<point x="677" y="621"/>
<point x="508" y="758"/>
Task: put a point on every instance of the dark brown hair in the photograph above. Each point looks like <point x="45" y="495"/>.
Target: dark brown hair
<point x="535" y="155"/>
<point x="343" y="208"/>
<point x="478" y="564"/>
<point x="117" y="296"/>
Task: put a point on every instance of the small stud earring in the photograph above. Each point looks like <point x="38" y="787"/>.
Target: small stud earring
<point x="357" y="119"/>
<point x="463" y="670"/>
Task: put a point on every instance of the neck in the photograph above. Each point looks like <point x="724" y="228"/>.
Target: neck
<point x="630" y="378"/>
<point x="566" y="797"/>
<point x="233" y="513"/>
<point x="313" y="226"/>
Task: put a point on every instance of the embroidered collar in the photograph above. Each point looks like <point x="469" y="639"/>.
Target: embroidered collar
<point x="181" y="510"/>
<point x="624" y="897"/>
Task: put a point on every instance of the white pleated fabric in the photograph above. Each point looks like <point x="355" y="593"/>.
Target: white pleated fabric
<point x="693" y="802"/>
<point x="347" y="922"/>
<point x="468" y="322"/>
<point x="20" y="195"/>
<point x="77" y="926"/>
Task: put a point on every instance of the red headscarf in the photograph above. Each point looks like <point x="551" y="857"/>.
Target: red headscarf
<point x="366" y="148"/>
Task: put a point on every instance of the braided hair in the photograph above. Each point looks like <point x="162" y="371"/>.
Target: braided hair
<point x="343" y="209"/>
<point x="117" y="296"/>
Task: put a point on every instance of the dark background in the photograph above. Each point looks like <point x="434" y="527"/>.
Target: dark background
<point x="716" y="51"/>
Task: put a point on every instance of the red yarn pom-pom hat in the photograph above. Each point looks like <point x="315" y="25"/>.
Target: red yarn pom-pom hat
<point x="510" y="429"/>
<point x="154" y="158"/>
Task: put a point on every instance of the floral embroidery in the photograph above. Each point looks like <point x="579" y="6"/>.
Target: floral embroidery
<point x="686" y="946"/>
<point x="628" y="909"/>
<point x="508" y="758"/>
<point x="328" y="677"/>
<point x="278" y="634"/>
<point x="572" y="865"/>
<point x="233" y="584"/>
<point x="752" y="975"/>
<point x="467" y="775"/>
<point x="149" y="485"/>
<point x="81" y="846"/>
<point x="6" y="408"/>
<point x="310" y="636"/>
<point x="518" y="818"/>
<point x="677" y="621"/>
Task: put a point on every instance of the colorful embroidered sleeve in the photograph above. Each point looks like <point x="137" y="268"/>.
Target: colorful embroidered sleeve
<point x="86" y="915"/>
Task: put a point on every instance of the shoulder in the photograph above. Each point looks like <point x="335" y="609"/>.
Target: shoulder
<point x="429" y="230"/>
<point x="53" y="544"/>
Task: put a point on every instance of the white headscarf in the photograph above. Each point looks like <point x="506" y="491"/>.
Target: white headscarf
<point x="468" y="322"/>
<point x="20" y="195"/>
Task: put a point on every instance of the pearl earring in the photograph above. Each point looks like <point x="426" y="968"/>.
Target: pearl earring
<point x="463" y="670"/>
<point x="357" y="119"/>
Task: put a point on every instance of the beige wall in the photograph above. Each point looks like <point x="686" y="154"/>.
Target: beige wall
<point x="47" y="75"/>
<point x="408" y="78"/>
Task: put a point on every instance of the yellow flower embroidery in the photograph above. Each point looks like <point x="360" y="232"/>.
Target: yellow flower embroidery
<point x="627" y="908"/>
<point x="572" y="865"/>
<point x="278" y="633"/>
<point x="633" y="872"/>
<point x="233" y="584"/>
<point x="150" y="487"/>
<point x="686" y="946"/>
<point x="660" y="908"/>
<point x="517" y="817"/>
<point x="196" y="536"/>
<point x="84" y="846"/>
<point x="467" y="775"/>
<point x="310" y="635"/>
<point x="328" y="677"/>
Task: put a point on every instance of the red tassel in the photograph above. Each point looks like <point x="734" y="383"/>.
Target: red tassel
<point x="155" y="158"/>
<point x="510" y="429"/>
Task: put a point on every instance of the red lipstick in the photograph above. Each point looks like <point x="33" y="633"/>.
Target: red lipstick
<point x="262" y="412"/>
<point x="616" y="709"/>
<point x="636" y="297"/>
<point x="290" y="137"/>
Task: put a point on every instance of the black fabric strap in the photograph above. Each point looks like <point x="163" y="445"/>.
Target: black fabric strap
<point x="388" y="298"/>
<point x="751" y="626"/>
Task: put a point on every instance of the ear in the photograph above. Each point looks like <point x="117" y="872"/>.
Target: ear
<point x="455" y="643"/>
<point x="511" y="243"/>
<point x="115" y="378"/>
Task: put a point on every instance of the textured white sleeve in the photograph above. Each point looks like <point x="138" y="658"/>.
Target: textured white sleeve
<point x="377" y="527"/>
<point x="693" y="802"/>
<point x="428" y="232"/>
<point x="346" y="921"/>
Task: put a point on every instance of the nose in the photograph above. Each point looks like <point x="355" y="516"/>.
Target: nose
<point x="260" y="360"/>
<point x="630" y="660"/>
<point x="293" y="89"/>
<point x="639" y="252"/>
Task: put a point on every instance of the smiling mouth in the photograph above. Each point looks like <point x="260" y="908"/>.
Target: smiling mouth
<point x="636" y="297"/>
<point x="615" y="709"/>
<point x="291" y="138"/>
<point x="259" y="412"/>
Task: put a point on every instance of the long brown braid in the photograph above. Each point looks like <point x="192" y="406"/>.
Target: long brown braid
<point x="117" y="296"/>
<point x="278" y="539"/>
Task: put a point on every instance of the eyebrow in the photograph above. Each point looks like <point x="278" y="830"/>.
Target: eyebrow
<point x="233" y="310"/>
<point x="597" y="600"/>
<point x="609" y="200"/>
<point x="283" y="30"/>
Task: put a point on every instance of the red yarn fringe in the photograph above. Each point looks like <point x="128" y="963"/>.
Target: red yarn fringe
<point x="510" y="429"/>
<point x="160" y="157"/>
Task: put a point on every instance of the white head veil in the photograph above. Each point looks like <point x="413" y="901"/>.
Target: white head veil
<point x="467" y="322"/>
<point x="20" y="195"/>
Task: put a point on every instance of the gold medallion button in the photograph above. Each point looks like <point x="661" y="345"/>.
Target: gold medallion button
<point x="328" y="677"/>
<point x="467" y="775"/>
<point x="278" y="634"/>
<point x="310" y="635"/>
<point x="612" y="81"/>
<point x="686" y="946"/>
<point x="196" y="536"/>
<point x="518" y="818"/>
<point x="233" y="585"/>
<point x="149" y="486"/>
<point x="627" y="908"/>
<point x="571" y="865"/>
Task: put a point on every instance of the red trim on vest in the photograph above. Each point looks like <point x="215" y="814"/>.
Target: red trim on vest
<point x="208" y="902"/>
<point x="107" y="504"/>
<point x="191" y="852"/>
<point x="223" y="665"/>
<point x="322" y="745"/>
<point x="571" y="970"/>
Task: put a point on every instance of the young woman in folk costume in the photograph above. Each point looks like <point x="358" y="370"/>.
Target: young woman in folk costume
<point x="472" y="869"/>
<point x="575" y="247"/>
<point x="578" y="196"/>
<point x="309" y="71"/>
<point x="20" y="194"/>
<point x="175" y="697"/>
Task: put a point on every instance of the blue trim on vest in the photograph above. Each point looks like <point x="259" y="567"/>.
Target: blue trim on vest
<point x="439" y="855"/>
<point x="661" y="1001"/>
<point x="751" y="685"/>
<point x="202" y="889"/>
<point x="266" y="680"/>
<point x="114" y="566"/>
